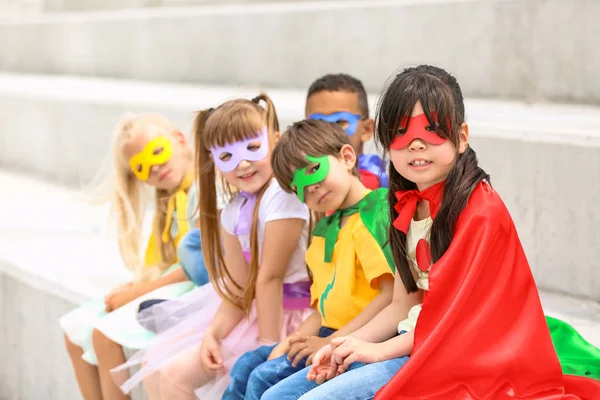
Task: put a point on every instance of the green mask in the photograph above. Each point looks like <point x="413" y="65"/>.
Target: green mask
<point x="302" y="179"/>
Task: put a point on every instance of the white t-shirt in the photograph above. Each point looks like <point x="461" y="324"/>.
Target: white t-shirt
<point x="275" y="204"/>
<point x="418" y="230"/>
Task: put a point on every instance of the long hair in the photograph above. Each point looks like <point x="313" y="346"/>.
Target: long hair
<point x="233" y="121"/>
<point x="129" y="196"/>
<point x="439" y="92"/>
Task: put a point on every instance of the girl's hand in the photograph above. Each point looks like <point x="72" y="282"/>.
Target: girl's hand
<point x="305" y="346"/>
<point x="118" y="289"/>
<point x="210" y="353"/>
<point x="282" y="348"/>
<point x="320" y="370"/>
<point x="118" y="299"/>
<point x="349" y="350"/>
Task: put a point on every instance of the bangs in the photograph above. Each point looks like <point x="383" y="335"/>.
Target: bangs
<point x="399" y="99"/>
<point x="308" y="137"/>
<point x="233" y="122"/>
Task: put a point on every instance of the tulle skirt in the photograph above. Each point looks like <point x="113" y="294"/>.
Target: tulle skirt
<point x="172" y="359"/>
<point x="121" y="325"/>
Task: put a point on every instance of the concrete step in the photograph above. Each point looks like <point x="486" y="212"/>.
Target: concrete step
<point x="57" y="252"/>
<point x="544" y="159"/>
<point x="39" y="6"/>
<point x="511" y="48"/>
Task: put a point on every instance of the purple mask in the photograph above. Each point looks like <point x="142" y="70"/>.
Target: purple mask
<point x="239" y="151"/>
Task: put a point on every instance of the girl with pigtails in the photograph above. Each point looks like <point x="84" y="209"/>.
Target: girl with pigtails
<point x="254" y="255"/>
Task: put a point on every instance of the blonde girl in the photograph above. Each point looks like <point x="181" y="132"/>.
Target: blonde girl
<point x="148" y="153"/>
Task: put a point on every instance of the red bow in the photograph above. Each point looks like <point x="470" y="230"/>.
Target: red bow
<point x="407" y="204"/>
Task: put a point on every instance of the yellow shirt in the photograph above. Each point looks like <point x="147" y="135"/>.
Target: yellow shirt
<point x="342" y="288"/>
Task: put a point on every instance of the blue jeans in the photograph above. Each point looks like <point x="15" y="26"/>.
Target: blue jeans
<point x="191" y="259"/>
<point x="252" y="374"/>
<point x="360" y="382"/>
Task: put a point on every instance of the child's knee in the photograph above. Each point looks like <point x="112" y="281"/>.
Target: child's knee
<point x="100" y="341"/>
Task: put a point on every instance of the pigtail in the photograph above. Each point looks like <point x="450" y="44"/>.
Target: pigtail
<point x="250" y="290"/>
<point x="271" y="116"/>
<point x="210" y="230"/>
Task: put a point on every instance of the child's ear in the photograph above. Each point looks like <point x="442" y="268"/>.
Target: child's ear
<point x="348" y="156"/>
<point x="179" y="137"/>
<point x="463" y="138"/>
<point x="368" y="128"/>
<point x="276" y="137"/>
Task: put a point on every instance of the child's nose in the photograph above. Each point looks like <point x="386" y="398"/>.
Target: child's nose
<point x="244" y="164"/>
<point x="417" y="144"/>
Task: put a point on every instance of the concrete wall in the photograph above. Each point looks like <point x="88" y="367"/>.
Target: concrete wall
<point x="500" y="48"/>
<point x="34" y="363"/>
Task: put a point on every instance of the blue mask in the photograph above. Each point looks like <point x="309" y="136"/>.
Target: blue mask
<point x="336" y="117"/>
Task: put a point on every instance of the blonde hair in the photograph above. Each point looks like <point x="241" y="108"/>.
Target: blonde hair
<point x="233" y="121"/>
<point x="129" y="196"/>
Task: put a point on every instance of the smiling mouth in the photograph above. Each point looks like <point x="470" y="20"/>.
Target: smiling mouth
<point x="419" y="163"/>
<point x="164" y="176"/>
<point x="247" y="177"/>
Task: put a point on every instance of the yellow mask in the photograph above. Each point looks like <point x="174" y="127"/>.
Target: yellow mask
<point x="158" y="151"/>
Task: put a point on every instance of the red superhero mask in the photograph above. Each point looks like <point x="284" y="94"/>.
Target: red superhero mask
<point x="416" y="130"/>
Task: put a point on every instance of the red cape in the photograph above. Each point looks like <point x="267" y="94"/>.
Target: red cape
<point x="482" y="333"/>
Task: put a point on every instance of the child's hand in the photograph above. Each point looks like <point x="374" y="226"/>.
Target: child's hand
<point x="349" y="350"/>
<point x="282" y="348"/>
<point x="118" y="298"/>
<point x="305" y="346"/>
<point x="210" y="353"/>
<point x="116" y="290"/>
<point x="320" y="370"/>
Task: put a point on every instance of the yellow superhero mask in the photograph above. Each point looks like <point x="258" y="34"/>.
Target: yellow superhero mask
<point x="158" y="151"/>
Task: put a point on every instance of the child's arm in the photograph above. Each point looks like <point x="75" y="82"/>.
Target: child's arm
<point x="280" y="242"/>
<point x="310" y="327"/>
<point x="118" y="298"/>
<point x="385" y="324"/>
<point x="349" y="350"/>
<point x="306" y="347"/>
<point x="377" y="305"/>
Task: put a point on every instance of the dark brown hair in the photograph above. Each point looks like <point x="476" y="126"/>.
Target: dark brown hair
<point x="233" y="121"/>
<point x="439" y="92"/>
<point x="308" y="137"/>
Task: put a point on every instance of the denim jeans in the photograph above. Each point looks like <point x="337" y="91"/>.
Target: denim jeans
<point x="360" y="382"/>
<point x="189" y="252"/>
<point x="252" y="374"/>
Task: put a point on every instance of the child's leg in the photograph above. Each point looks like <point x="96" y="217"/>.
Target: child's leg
<point x="240" y="373"/>
<point x="269" y="374"/>
<point x="272" y="372"/>
<point x="85" y="373"/>
<point x="110" y="355"/>
<point x="181" y="376"/>
<point x="361" y="382"/>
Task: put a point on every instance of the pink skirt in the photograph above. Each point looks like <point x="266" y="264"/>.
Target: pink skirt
<point x="174" y="355"/>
